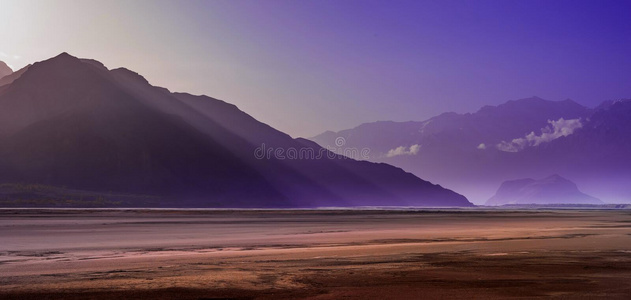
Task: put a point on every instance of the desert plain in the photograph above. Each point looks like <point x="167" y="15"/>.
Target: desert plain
<point x="314" y="254"/>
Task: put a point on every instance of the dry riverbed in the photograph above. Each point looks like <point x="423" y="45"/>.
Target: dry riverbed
<point x="314" y="254"/>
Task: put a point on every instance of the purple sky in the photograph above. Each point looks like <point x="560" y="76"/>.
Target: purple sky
<point x="309" y="66"/>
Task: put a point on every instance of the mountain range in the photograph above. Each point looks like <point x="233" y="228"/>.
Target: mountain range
<point x="474" y="152"/>
<point x="78" y="129"/>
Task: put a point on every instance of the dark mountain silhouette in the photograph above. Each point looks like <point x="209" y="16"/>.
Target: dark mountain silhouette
<point x="532" y="137"/>
<point x="73" y="123"/>
<point x="4" y="70"/>
<point x="550" y="190"/>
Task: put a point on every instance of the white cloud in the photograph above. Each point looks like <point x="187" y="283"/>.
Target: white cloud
<point x="559" y="129"/>
<point x="415" y="148"/>
<point x="402" y="150"/>
<point x="482" y="146"/>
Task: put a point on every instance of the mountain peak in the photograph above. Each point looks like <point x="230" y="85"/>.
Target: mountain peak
<point x="50" y="88"/>
<point x="5" y="69"/>
<point x="62" y="62"/>
<point x="64" y="55"/>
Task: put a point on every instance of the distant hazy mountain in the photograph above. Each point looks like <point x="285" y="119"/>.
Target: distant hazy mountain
<point x="451" y="131"/>
<point x="532" y="137"/>
<point x="550" y="190"/>
<point x="4" y="69"/>
<point x="13" y="76"/>
<point x="72" y="123"/>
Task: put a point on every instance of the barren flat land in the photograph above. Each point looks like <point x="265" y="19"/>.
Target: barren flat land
<point x="314" y="254"/>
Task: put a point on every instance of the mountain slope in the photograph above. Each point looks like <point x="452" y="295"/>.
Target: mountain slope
<point x="550" y="190"/>
<point x="95" y="136"/>
<point x="74" y="123"/>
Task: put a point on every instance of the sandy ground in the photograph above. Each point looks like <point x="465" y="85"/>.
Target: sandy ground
<point x="434" y="254"/>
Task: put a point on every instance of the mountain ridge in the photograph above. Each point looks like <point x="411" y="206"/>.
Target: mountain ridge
<point x="73" y="122"/>
<point x="529" y="137"/>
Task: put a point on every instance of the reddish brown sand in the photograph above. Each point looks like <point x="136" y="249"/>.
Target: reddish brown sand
<point x="157" y="254"/>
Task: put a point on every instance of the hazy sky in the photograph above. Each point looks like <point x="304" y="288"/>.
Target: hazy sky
<point x="309" y="66"/>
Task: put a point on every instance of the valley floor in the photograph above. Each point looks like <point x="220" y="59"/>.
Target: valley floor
<point x="314" y="254"/>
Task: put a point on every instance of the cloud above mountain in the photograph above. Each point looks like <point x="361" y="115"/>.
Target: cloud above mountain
<point x="555" y="130"/>
<point x="402" y="150"/>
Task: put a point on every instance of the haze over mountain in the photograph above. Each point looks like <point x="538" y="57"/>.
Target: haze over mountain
<point x="4" y="69"/>
<point x="72" y="123"/>
<point x="550" y="190"/>
<point x="474" y="152"/>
